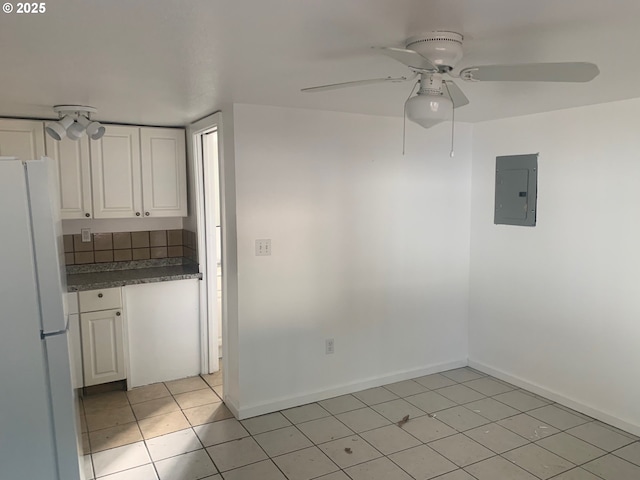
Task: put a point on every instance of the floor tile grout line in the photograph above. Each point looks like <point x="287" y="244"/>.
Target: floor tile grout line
<point x="562" y="473"/>
<point x="171" y="394"/>
<point x="535" y="442"/>
<point x="83" y="413"/>
<point x="586" y="420"/>
<point x="312" y="446"/>
<point x="529" y="442"/>
<point x="554" y="453"/>
<point x="269" y="456"/>
<point x="125" y="470"/>
<point x="144" y="440"/>
<point x="364" y="431"/>
<point x="527" y="439"/>
<point x="625" y="446"/>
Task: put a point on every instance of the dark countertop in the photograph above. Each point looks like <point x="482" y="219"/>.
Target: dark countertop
<point x="118" y="278"/>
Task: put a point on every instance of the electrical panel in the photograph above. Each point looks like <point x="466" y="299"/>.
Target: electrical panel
<point x="516" y="190"/>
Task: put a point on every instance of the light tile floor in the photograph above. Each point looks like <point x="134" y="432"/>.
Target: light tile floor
<point x="463" y="425"/>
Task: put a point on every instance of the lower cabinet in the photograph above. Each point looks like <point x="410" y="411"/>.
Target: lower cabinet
<point x="102" y="346"/>
<point x="102" y="333"/>
<point x="75" y="340"/>
<point x="75" y="351"/>
<point x="163" y="331"/>
<point x="160" y="340"/>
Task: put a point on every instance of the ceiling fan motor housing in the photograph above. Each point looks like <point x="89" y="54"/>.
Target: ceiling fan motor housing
<point x="443" y="49"/>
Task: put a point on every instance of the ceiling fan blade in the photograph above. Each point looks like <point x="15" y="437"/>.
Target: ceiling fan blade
<point x="410" y="58"/>
<point x="356" y="83"/>
<point x="458" y="98"/>
<point x="532" y="72"/>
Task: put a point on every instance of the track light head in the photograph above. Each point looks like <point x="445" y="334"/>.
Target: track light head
<point x="95" y="130"/>
<point x="58" y="130"/>
<point x="75" y="131"/>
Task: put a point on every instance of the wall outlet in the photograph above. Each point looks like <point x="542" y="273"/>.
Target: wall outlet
<point x="86" y="234"/>
<point x="329" y="346"/>
<point x="263" y="247"/>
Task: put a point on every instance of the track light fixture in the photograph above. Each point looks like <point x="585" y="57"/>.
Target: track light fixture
<point x="74" y="121"/>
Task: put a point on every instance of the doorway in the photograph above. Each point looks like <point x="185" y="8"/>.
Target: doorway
<point x="206" y="204"/>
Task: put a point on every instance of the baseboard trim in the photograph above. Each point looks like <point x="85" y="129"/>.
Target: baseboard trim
<point x="232" y="405"/>
<point x="556" y="397"/>
<point x="294" y="401"/>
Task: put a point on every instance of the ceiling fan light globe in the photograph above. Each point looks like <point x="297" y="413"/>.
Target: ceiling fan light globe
<point x="429" y="110"/>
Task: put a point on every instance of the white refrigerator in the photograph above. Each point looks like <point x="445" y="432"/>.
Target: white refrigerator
<point x="38" y="435"/>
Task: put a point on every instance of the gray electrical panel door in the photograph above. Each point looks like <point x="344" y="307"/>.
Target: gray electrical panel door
<point x="516" y="190"/>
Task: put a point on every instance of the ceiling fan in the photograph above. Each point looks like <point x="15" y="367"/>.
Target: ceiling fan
<point x="435" y="54"/>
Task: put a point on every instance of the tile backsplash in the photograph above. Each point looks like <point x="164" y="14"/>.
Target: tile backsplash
<point x="126" y="246"/>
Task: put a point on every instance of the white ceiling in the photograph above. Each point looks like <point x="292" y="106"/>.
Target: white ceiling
<point x="169" y="62"/>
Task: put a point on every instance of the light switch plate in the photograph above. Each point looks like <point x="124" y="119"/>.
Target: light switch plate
<point x="263" y="247"/>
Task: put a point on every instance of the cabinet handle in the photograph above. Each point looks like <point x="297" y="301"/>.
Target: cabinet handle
<point x="100" y="295"/>
<point x="118" y="314"/>
<point x="87" y="215"/>
<point x="137" y="214"/>
<point x="146" y="214"/>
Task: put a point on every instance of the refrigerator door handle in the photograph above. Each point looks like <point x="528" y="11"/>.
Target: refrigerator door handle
<point x="44" y="335"/>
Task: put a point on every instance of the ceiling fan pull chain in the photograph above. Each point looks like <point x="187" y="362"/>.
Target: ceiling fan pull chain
<point x="404" y="128"/>
<point x="453" y="120"/>
<point x="404" y="117"/>
<point x="453" y="131"/>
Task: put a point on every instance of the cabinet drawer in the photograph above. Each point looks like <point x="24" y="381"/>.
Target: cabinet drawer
<point x="105" y="299"/>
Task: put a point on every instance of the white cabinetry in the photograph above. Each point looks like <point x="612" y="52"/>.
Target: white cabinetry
<point x="163" y="331"/>
<point x="74" y="176"/>
<point x="102" y="328"/>
<point x="164" y="174"/>
<point x="139" y="172"/>
<point x="75" y="341"/>
<point x="23" y="139"/>
<point x="130" y="172"/>
<point x="115" y="167"/>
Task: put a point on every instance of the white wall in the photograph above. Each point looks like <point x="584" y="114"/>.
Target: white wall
<point x="230" y="340"/>
<point x="368" y="247"/>
<point x="557" y="307"/>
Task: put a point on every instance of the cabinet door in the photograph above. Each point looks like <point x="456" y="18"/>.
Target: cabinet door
<point x="163" y="324"/>
<point x="102" y="347"/>
<point x="164" y="172"/>
<point x="115" y="173"/>
<point x="74" y="176"/>
<point x="21" y="138"/>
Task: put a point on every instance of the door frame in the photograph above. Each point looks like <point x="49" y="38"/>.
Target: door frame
<point x="207" y="243"/>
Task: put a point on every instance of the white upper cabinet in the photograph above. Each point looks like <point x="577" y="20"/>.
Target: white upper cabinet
<point x="130" y="172"/>
<point x="139" y="172"/>
<point x="115" y="168"/>
<point x="164" y="176"/>
<point x="23" y="139"/>
<point x="74" y="176"/>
